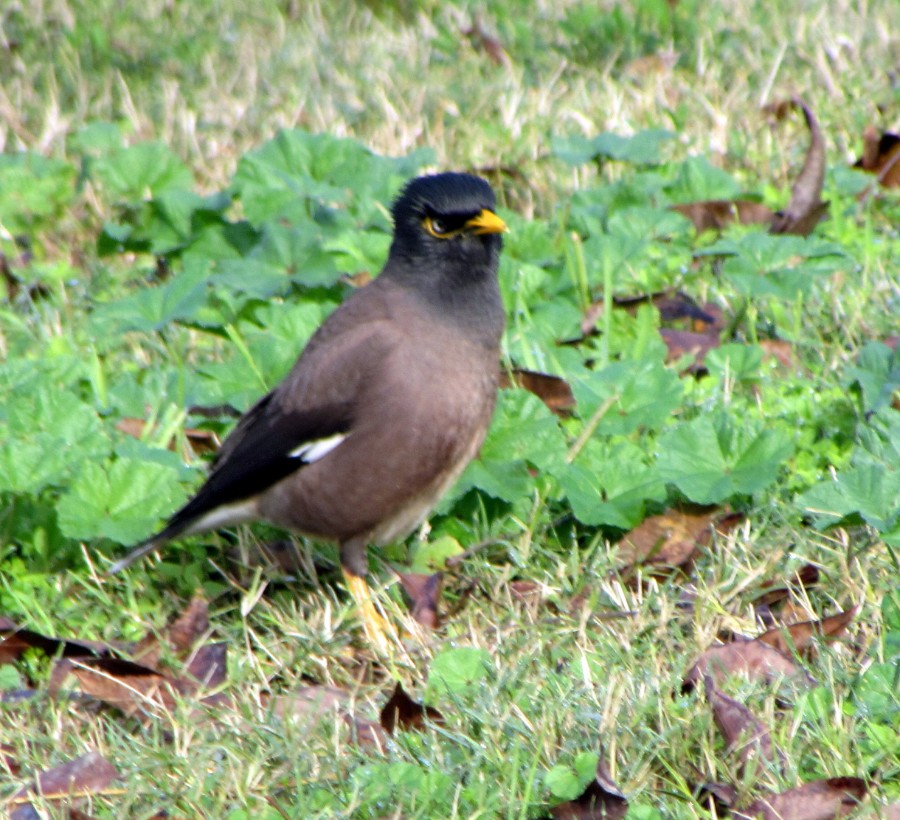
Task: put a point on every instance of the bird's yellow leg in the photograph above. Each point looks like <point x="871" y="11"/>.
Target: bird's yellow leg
<point x="372" y="621"/>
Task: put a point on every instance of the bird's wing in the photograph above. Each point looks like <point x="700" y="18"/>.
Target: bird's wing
<point x="302" y="420"/>
<point x="266" y="446"/>
<point x="269" y="443"/>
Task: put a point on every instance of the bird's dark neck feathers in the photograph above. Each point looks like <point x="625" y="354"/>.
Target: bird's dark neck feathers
<point x="467" y="297"/>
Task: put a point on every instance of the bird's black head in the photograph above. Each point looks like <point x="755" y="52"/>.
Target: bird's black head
<point x="446" y="223"/>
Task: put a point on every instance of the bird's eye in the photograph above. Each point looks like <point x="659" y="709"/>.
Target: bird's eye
<point x="438" y="228"/>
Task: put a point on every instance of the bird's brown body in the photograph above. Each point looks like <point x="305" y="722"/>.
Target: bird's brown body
<point x="388" y="402"/>
<point x="346" y="495"/>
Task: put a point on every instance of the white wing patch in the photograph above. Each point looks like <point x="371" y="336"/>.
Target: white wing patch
<point x="311" y="451"/>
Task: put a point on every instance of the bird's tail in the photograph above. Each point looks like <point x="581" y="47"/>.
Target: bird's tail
<point x="173" y="530"/>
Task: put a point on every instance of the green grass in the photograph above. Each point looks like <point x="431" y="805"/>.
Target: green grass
<point x="113" y="334"/>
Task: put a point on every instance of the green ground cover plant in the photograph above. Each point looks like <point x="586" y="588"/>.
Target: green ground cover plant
<point x="180" y="211"/>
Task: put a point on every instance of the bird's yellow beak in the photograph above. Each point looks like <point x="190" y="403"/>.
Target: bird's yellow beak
<point x="486" y="222"/>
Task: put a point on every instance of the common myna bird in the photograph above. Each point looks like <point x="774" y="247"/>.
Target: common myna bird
<point x="388" y="402"/>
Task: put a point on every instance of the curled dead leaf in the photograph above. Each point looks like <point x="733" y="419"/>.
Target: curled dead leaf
<point x="89" y="774"/>
<point x="15" y="640"/>
<point x="526" y="592"/>
<point x="800" y="636"/>
<point x="134" y="689"/>
<point x="689" y="343"/>
<point x="178" y="637"/>
<point x="673" y="306"/>
<point x="200" y="441"/>
<point x="8" y="762"/>
<point x="881" y="156"/>
<point x="819" y="800"/>
<point x="672" y="539"/>
<point x="743" y="732"/>
<point x="424" y="593"/>
<point x="717" y="214"/>
<point x="754" y="659"/>
<point x="554" y="391"/>
<point x="208" y="665"/>
<point x="309" y="702"/>
<point x="487" y="42"/>
<point x="668" y="540"/>
<point x="601" y="800"/>
<point x="312" y="704"/>
<point x="806" y="208"/>
<point x="402" y="712"/>
<point x="780" y="350"/>
<point x="807" y="576"/>
<point x="720" y="797"/>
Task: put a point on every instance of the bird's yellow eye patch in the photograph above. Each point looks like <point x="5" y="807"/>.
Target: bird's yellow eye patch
<point x="439" y="228"/>
<point x="482" y="223"/>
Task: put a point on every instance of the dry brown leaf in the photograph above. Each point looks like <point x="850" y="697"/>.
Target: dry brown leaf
<point x="200" y="441"/>
<point x="366" y="733"/>
<point x="75" y="814"/>
<point x="179" y="636"/>
<point x="402" y="712"/>
<point x="580" y="600"/>
<point x="673" y="305"/>
<point x="807" y="576"/>
<point x="189" y="627"/>
<point x="312" y="704"/>
<point x="881" y="156"/>
<point x="527" y="592"/>
<point x="751" y="658"/>
<point x="14" y="641"/>
<point x="669" y="539"/>
<point x="672" y="538"/>
<point x="819" y="800"/>
<point x="134" y="689"/>
<point x="721" y="796"/>
<point x="780" y="350"/>
<point x="487" y="42"/>
<point x="552" y="390"/>
<point x="88" y="774"/>
<point x="131" y="426"/>
<point x="209" y="665"/>
<point x="806" y="208"/>
<point x="800" y="636"/>
<point x="7" y="761"/>
<point x="703" y="318"/>
<point x="424" y="593"/>
<point x="592" y="315"/>
<point x="601" y="800"/>
<point x="742" y="731"/>
<point x="793" y="611"/>
<point x="716" y="214"/>
<point x="686" y="342"/>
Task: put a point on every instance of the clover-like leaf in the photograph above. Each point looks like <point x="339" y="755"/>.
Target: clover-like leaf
<point x="122" y="500"/>
<point x="710" y="459"/>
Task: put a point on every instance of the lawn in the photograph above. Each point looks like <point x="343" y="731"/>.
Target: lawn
<point x="667" y="586"/>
